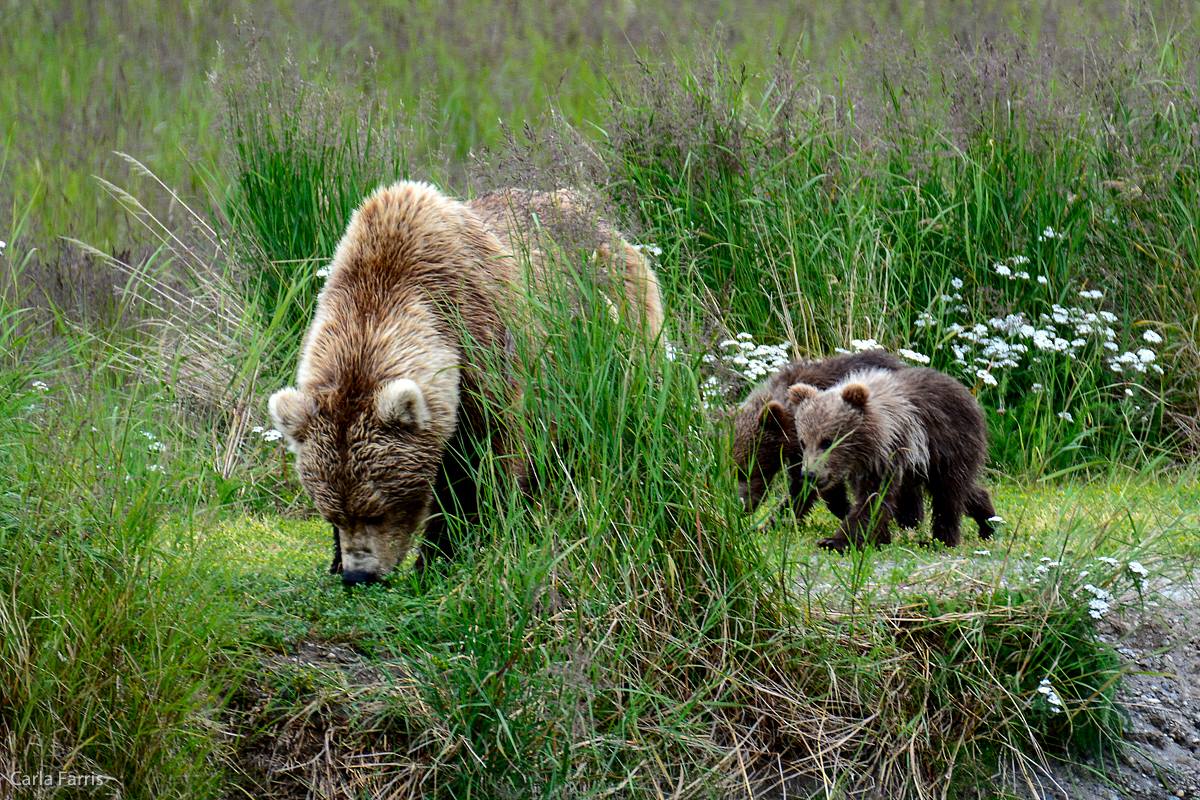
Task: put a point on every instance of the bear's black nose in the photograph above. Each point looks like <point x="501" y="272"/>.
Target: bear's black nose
<point x="357" y="577"/>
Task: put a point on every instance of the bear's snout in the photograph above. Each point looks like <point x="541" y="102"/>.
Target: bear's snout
<point x="359" y="577"/>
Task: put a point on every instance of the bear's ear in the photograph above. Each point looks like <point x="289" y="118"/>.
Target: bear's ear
<point x="777" y="416"/>
<point x="799" y="392"/>
<point x="292" y="413"/>
<point x="855" y="394"/>
<point x="401" y="402"/>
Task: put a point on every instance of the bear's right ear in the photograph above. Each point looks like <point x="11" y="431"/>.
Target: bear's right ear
<point x="401" y="402"/>
<point x="292" y="413"/>
<point x="799" y="392"/>
<point x="777" y="416"/>
<point x="855" y="394"/>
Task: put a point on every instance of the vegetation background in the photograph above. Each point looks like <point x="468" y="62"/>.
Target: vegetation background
<point x="1008" y="190"/>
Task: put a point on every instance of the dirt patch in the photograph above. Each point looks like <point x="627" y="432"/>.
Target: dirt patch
<point x="1159" y="644"/>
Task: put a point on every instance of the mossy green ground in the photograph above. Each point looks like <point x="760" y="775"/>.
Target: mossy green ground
<point x="276" y="569"/>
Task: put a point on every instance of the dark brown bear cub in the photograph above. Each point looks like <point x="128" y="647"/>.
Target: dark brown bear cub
<point x="885" y="432"/>
<point x="764" y="436"/>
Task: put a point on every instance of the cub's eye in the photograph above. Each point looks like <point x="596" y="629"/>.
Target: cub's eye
<point x="826" y="444"/>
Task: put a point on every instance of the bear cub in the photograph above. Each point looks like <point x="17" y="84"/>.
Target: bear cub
<point x="764" y="437"/>
<point x="886" y="432"/>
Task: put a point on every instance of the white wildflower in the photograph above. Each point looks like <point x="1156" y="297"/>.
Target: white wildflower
<point x="1018" y="261"/>
<point x="1022" y="275"/>
<point x="1112" y="562"/>
<point x="323" y="272"/>
<point x="983" y="552"/>
<point x="1050" y="233"/>
<point x="1152" y="337"/>
<point x="271" y="435"/>
<point x="1043" y="280"/>
<point x="1066" y="415"/>
<point x="1136" y="568"/>
<point x="1145" y="356"/>
<point x="860" y="345"/>
<point x="745" y="335"/>
<point x="1091" y="294"/>
<point x="40" y="386"/>
<point x="956" y="283"/>
<point x="1001" y="269"/>
<point x="1037" y="388"/>
<point x="911" y="355"/>
<point x="988" y="378"/>
<point x="996" y="519"/>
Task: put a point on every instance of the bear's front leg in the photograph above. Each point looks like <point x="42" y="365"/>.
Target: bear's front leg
<point x="335" y="568"/>
<point x="869" y="519"/>
<point x="803" y="491"/>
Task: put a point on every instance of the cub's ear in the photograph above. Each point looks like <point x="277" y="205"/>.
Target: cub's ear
<point x="292" y="412"/>
<point x="855" y="394"/>
<point x="799" y="392"/>
<point x="776" y="415"/>
<point x="401" y="402"/>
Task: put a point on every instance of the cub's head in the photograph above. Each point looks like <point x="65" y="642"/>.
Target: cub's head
<point x="830" y="430"/>
<point x="762" y="434"/>
<point x="369" y="464"/>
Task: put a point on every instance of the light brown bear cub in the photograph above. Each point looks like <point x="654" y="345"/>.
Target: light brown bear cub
<point x="764" y="437"/>
<point x="397" y="396"/>
<point x="883" y="431"/>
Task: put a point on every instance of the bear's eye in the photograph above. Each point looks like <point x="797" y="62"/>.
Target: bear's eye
<point x="826" y="444"/>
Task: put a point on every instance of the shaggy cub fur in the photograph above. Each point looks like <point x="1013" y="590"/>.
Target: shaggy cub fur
<point x="404" y="382"/>
<point x="886" y="432"/>
<point x="764" y="437"/>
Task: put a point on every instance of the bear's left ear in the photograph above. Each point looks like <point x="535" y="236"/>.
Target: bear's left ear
<point x="799" y="392"/>
<point x="856" y="395"/>
<point x="401" y="402"/>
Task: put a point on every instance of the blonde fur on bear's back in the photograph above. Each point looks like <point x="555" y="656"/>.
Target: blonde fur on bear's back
<point x="553" y="232"/>
<point x="897" y="427"/>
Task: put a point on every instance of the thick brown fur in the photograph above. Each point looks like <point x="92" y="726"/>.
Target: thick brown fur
<point x="397" y="394"/>
<point x="764" y="437"/>
<point x="885" y="432"/>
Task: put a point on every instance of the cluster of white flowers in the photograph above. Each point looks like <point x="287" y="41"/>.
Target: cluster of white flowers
<point x="860" y="345"/>
<point x="1046" y="689"/>
<point x="913" y="355"/>
<point x="267" y="434"/>
<point x="40" y="386"/>
<point x="652" y="249"/>
<point x="754" y="361"/>
<point x="154" y="446"/>
<point x="1100" y="603"/>
<point x="1049" y="233"/>
<point x="982" y="351"/>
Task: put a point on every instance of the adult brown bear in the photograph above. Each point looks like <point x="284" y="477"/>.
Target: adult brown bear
<point x="397" y="396"/>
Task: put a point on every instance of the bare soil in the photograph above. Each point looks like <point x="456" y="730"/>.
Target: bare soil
<point x="1160" y="646"/>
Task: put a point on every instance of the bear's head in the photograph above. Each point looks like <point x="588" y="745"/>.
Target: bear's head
<point x="369" y="464"/>
<point x="761" y="434"/>
<point x="831" y="430"/>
